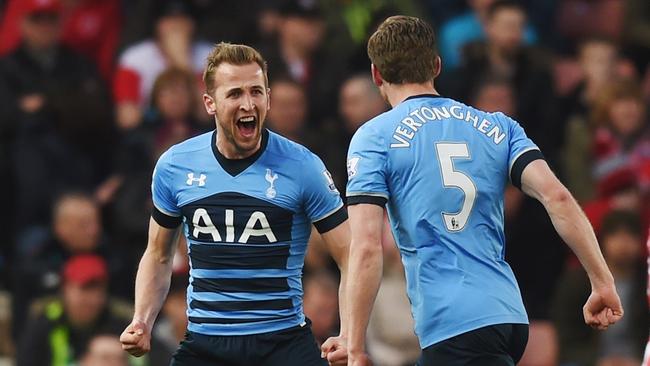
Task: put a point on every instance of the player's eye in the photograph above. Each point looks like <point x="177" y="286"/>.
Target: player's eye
<point x="234" y="94"/>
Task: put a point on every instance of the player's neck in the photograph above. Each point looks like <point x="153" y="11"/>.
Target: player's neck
<point x="230" y="151"/>
<point x="397" y="93"/>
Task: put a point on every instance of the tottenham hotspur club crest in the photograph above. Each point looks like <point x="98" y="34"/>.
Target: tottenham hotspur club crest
<point x="270" y="177"/>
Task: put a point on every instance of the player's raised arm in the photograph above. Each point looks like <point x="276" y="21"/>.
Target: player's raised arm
<point x="603" y="307"/>
<point x="337" y="241"/>
<point x="151" y="287"/>
<point x="364" y="274"/>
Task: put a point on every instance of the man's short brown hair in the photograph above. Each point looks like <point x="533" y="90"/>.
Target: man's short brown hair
<point x="404" y="50"/>
<point x="236" y="54"/>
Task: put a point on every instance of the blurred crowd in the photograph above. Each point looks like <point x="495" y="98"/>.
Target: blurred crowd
<point x="93" y="91"/>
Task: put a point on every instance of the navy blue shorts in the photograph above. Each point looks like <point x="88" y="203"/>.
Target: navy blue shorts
<point x="293" y="346"/>
<point x="494" y="345"/>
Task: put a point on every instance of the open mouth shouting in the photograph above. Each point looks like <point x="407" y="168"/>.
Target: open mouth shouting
<point x="247" y="126"/>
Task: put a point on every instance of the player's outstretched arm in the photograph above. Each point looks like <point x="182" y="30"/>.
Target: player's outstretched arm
<point x="151" y="287"/>
<point x="337" y="241"/>
<point x="603" y="307"/>
<point x="364" y="275"/>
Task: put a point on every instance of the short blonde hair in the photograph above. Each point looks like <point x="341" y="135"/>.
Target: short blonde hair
<point x="236" y="54"/>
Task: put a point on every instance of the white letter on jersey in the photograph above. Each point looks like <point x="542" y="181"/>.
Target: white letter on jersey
<point x="230" y="227"/>
<point x="209" y="228"/>
<point x="250" y="230"/>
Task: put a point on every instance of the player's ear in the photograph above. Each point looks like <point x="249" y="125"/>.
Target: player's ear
<point x="209" y="104"/>
<point x="438" y="67"/>
<point x="268" y="99"/>
<point x="376" y="75"/>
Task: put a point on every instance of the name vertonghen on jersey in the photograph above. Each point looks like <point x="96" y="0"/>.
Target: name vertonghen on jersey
<point x="405" y="131"/>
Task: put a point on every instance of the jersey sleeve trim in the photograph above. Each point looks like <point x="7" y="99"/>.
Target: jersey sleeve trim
<point x="332" y="220"/>
<point x="355" y="199"/>
<point x="521" y="162"/>
<point x="166" y="220"/>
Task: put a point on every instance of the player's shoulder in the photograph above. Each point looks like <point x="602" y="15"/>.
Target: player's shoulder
<point x="282" y="147"/>
<point x="140" y="54"/>
<point x="497" y="117"/>
<point x="376" y="126"/>
<point x="191" y="145"/>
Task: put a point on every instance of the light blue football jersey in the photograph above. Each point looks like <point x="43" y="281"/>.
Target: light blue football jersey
<point x="247" y="223"/>
<point x="441" y="168"/>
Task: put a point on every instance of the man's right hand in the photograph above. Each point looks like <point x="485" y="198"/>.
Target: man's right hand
<point x="603" y="307"/>
<point x="136" y="339"/>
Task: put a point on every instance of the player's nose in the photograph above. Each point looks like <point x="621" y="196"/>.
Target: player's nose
<point x="246" y="103"/>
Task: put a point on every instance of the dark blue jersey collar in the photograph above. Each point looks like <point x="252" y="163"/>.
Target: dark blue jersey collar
<point x="422" y="96"/>
<point x="236" y="166"/>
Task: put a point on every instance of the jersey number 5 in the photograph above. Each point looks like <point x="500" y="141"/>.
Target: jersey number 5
<point x="452" y="178"/>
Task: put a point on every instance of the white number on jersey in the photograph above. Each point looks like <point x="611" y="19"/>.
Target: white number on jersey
<point x="452" y="178"/>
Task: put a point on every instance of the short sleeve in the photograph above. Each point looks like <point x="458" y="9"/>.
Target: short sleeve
<point x="522" y="151"/>
<point x="166" y="211"/>
<point x="322" y="201"/>
<point x="367" y="169"/>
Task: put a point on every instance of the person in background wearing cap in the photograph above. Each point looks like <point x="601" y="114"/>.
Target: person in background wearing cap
<point x="90" y="27"/>
<point x="299" y="54"/>
<point x="55" y="118"/>
<point x="140" y="64"/>
<point x="59" y="332"/>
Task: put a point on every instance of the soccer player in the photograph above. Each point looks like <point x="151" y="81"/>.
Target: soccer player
<point x="247" y="198"/>
<point x="440" y="167"/>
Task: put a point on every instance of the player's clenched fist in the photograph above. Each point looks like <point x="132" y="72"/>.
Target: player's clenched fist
<point x="603" y="307"/>
<point x="136" y="338"/>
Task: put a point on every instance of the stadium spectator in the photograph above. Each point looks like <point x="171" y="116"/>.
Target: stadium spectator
<point x="504" y="54"/>
<point x="578" y="19"/>
<point x="289" y="110"/>
<point x="174" y="45"/>
<point x="299" y="54"/>
<point x="358" y="101"/>
<point x="76" y="229"/>
<point x="467" y="27"/>
<point x="597" y="58"/>
<point x="171" y="120"/>
<point x="57" y="120"/>
<point x="621" y="239"/>
<point x="104" y="350"/>
<point x="622" y="139"/>
<point x="59" y="331"/>
<point x="90" y="27"/>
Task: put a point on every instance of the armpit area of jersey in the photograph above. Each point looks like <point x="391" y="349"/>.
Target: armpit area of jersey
<point x="164" y="220"/>
<point x="330" y="222"/>
<point x="522" y="162"/>
<point x="373" y="200"/>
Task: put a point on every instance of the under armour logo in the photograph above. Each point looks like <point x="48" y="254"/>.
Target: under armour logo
<point x="270" y="177"/>
<point x="201" y="179"/>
